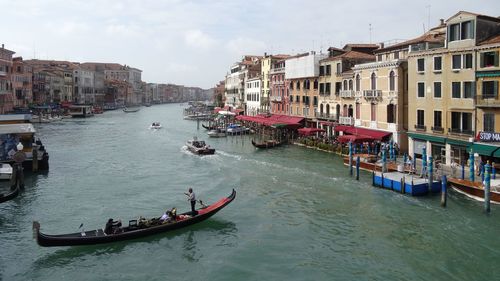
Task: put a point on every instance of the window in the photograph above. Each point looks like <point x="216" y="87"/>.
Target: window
<point x="467" y="30"/>
<point x="490" y="89"/>
<point x="339" y="69"/>
<point x="315" y="101"/>
<point x="420" y="65"/>
<point x="315" y="84"/>
<point x="328" y="69"/>
<point x="327" y="88"/>
<point x="379" y="58"/>
<point x="391" y="113"/>
<point x="466" y="122"/>
<point x="468" y="61"/>
<point x="358" y="83"/>
<point x="489" y="59"/>
<point x="396" y="55"/>
<point x="350" y="84"/>
<point x="358" y="110"/>
<point x="420" y="90"/>
<point x="321" y="70"/>
<point x="298" y="85"/>
<point x="468" y="89"/>
<point x="437" y="89"/>
<point x="291" y="98"/>
<point x="321" y="88"/>
<point x="438" y="61"/>
<point x="420" y="118"/>
<point x="373" y="79"/>
<point x="489" y="122"/>
<point x="455" y="90"/>
<point x="345" y="85"/>
<point x="438" y="123"/>
<point x="373" y="112"/>
<point x="291" y="85"/>
<point x="391" y="81"/>
<point x="454" y="32"/>
<point x="456" y="62"/>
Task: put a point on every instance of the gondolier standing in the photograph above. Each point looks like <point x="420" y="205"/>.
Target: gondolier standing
<point x="192" y="199"/>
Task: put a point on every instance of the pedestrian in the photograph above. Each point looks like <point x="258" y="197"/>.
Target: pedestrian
<point x="191" y="198"/>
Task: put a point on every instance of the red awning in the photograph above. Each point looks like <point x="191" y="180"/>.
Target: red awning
<point x="309" y="131"/>
<point x="272" y="119"/>
<point x="353" y="139"/>
<point x="374" y="134"/>
<point x="342" y="128"/>
<point x="326" y="123"/>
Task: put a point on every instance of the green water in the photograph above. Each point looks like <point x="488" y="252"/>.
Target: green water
<point x="297" y="214"/>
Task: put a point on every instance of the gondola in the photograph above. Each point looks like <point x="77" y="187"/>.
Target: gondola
<point x="9" y="196"/>
<point x="267" y="144"/>
<point x="209" y="127"/>
<point x="132" y="231"/>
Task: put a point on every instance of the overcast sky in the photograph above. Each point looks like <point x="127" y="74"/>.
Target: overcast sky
<point x="194" y="43"/>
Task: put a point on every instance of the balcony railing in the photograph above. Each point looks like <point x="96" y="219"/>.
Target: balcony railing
<point x="325" y="116"/>
<point x="276" y="70"/>
<point x="437" y="129"/>
<point x="393" y="94"/>
<point x="372" y="93"/>
<point x="420" y="127"/>
<point x="458" y="131"/>
<point x="3" y="73"/>
<point x="487" y="101"/>
<point x="276" y="99"/>
<point x="346" y="120"/>
<point x="347" y="94"/>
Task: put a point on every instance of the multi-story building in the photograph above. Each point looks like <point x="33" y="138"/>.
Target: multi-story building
<point x="52" y="80"/>
<point x="302" y="72"/>
<point x="442" y="113"/>
<point x="253" y="95"/>
<point x="6" y="95"/>
<point x="336" y="91"/>
<point x="218" y="98"/>
<point x="267" y="63"/>
<point x="380" y="105"/>
<point x="278" y="93"/>
<point x="84" y="86"/>
<point x="248" y="68"/>
<point x="21" y="83"/>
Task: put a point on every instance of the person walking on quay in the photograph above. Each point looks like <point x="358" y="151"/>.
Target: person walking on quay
<point x="192" y="198"/>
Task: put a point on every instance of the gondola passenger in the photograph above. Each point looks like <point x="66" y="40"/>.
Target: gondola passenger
<point x="112" y="227"/>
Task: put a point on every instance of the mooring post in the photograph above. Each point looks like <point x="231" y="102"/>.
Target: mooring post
<point x="471" y="166"/>
<point x="482" y="173"/>
<point x="405" y="158"/>
<point x="415" y="162"/>
<point x="384" y="161"/>
<point x="34" y="161"/>
<point x="369" y="149"/>
<point x="403" y="180"/>
<point x="487" y="188"/>
<point x="431" y="176"/>
<point x="357" y="168"/>
<point x="391" y="150"/>
<point x="350" y="158"/>
<point x="423" y="172"/>
<point x="197" y="123"/>
<point x="493" y="171"/>
<point x="373" y="178"/>
<point x="463" y="170"/>
<point x="444" y="190"/>
<point x="13" y="178"/>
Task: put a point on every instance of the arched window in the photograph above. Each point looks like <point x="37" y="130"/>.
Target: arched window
<point x="338" y="111"/>
<point x="391" y="81"/>
<point x="321" y="109"/>
<point x="373" y="79"/>
<point x="327" y="109"/>
<point x="315" y="84"/>
<point x="345" y="85"/>
<point x="344" y="111"/>
<point x="298" y="85"/>
<point x="350" y="84"/>
<point x="358" y="83"/>
<point x="391" y="113"/>
<point x="350" y="111"/>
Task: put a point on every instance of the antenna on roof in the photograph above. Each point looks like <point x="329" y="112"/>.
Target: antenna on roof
<point x="428" y="16"/>
<point x="370" y="28"/>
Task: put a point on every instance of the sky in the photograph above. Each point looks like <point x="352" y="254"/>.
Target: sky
<point x="194" y="43"/>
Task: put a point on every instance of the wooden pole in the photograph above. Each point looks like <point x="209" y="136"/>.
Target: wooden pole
<point x="357" y="168"/>
<point x="487" y="189"/>
<point x="444" y="191"/>
<point x="431" y="176"/>
<point x="463" y="170"/>
<point x="34" y="164"/>
<point x="471" y="166"/>
<point x="13" y="179"/>
<point x="350" y="158"/>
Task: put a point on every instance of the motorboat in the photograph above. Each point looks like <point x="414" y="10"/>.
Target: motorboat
<point x="199" y="147"/>
<point x="236" y="129"/>
<point x="217" y="133"/>
<point x="155" y="126"/>
<point x="5" y="171"/>
<point x="80" y="111"/>
<point x="131" y="109"/>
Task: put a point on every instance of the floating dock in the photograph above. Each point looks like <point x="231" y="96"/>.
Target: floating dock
<point x="413" y="185"/>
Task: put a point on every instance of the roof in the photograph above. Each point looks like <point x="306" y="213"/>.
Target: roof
<point x="495" y="39"/>
<point x="351" y="55"/>
<point x="21" y="128"/>
<point x="436" y="34"/>
<point x="309" y="131"/>
<point x="475" y="14"/>
<point x="374" y="46"/>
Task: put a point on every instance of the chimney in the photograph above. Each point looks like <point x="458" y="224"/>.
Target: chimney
<point x="265" y="54"/>
<point x="381" y="45"/>
<point x="2" y="46"/>
<point x="441" y="21"/>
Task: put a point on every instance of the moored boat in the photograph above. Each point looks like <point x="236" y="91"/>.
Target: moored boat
<point x="213" y="127"/>
<point x="10" y="195"/>
<point x="237" y="129"/>
<point x="5" y="171"/>
<point x="475" y="190"/>
<point x="131" y="109"/>
<point x="266" y="144"/>
<point x="135" y="229"/>
<point x="199" y="147"/>
<point x="80" y="111"/>
<point x="217" y="133"/>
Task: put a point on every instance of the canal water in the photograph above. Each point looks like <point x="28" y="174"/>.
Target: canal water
<point x="297" y="214"/>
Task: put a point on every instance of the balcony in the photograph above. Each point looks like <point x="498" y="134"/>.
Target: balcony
<point x="437" y="129"/>
<point x="277" y="70"/>
<point x="346" y="121"/>
<point x="3" y="73"/>
<point x="487" y="101"/>
<point x="458" y="131"/>
<point x="372" y="94"/>
<point x="347" y="94"/>
<point x="325" y="116"/>
<point x="276" y="99"/>
<point x="393" y="94"/>
<point x="420" y="127"/>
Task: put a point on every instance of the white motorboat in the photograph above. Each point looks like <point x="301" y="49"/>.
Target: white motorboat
<point x="5" y="171"/>
<point x="236" y="129"/>
<point x="217" y="133"/>
<point x="155" y="126"/>
<point x="199" y="147"/>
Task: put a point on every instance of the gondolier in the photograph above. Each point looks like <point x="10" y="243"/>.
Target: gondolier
<point x="192" y="199"/>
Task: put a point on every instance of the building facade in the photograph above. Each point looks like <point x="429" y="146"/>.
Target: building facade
<point x="253" y="87"/>
<point x="6" y="95"/>
<point x="21" y="83"/>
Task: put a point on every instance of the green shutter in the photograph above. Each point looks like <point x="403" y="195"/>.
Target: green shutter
<point x="495" y="89"/>
<point x="481" y="59"/>
<point x="496" y="58"/>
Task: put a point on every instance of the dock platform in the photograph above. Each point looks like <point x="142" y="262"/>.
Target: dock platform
<point x="413" y="185"/>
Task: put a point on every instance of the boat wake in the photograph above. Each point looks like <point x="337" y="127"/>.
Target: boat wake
<point x="223" y="153"/>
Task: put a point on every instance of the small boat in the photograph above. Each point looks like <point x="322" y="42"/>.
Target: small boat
<point x="209" y="127"/>
<point x="217" y="133"/>
<point x="5" y="171"/>
<point x="267" y="144"/>
<point x="155" y="126"/>
<point x="9" y="196"/>
<point x="475" y="190"/>
<point x="199" y="147"/>
<point x="131" y="109"/>
<point x="236" y="129"/>
<point x="80" y="111"/>
<point x="135" y="229"/>
<point x="97" y="110"/>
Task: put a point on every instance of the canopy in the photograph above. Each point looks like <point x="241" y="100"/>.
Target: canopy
<point x="309" y="131"/>
<point x="353" y="139"/>
<point x="270" y="120"/>
<point x="486" y="150"/>
<point x="357" y="131"/>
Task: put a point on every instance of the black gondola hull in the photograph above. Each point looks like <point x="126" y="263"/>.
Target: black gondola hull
<point x="9" y="196"/>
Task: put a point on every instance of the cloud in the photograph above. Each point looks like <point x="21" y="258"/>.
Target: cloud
<point x="197" y="39"/>
<point x="244" y="45"/>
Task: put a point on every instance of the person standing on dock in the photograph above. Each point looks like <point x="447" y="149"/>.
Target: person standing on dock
<point x="192" y="199"/>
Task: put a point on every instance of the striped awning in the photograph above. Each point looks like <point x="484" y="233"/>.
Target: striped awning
<point x="488" y="74"/>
